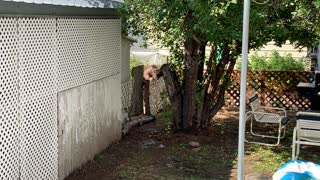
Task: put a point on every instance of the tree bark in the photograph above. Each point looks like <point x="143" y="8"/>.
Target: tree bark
<point x="137" y="92"/>
<point x="216" y="79"/>
<point x="202" y="58"/>
<point x="223" y="87"/>
<point x="175" y="94"/>
<point x="146" y="94"/>
<point x="201" y="110"/>
<point x="218" y="86"/>
<point x="190" y="82"/>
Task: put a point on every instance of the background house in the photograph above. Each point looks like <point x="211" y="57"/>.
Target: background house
<point x="153" y="54"/>
<point x="283" y="50"/>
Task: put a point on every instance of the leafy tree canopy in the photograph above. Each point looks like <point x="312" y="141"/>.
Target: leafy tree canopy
<point x="217" y="21"/>
<point x="195" y="24"/>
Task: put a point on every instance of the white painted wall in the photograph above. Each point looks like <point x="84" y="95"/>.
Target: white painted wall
<point x="89" y="118"/>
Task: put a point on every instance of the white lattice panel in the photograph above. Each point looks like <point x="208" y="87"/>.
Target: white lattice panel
<point x="88" y="50"/>
<point x="38" y="98"/>
<point x="9" y="124"/>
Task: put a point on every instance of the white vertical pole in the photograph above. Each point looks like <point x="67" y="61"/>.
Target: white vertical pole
<point x="318" y="59"/>
<point x="243" y="85"/>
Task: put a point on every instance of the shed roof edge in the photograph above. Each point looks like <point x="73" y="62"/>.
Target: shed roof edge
<point x="11" y="8"/>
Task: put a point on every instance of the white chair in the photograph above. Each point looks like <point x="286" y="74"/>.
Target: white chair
<point x="269" y="115"/>
<point x="307" y="131"/>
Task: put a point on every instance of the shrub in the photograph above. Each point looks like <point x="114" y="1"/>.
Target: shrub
<point x="275" y="63"/>
<point x="134" y="63"/>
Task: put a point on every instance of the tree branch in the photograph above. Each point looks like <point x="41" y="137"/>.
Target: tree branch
<point x="224" y="86"/>
<point x="222" y="64"/>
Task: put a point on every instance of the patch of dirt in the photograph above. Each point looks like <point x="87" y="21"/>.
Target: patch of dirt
<point x="149" y="152"/>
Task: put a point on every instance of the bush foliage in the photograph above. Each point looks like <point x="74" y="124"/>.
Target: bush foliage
<point x="134" y="63"/>
<point x="274" y="63"/>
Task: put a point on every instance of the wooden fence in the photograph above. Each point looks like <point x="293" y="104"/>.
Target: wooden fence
<point x="156" y="101"/>
<point x="275" y="88"/>
<point x="126" y="90"/>
<point x="156" y="87"/>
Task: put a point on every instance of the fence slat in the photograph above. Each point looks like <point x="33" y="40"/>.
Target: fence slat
<point x="137" y="94"/>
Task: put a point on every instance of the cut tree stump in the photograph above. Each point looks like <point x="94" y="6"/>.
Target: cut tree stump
<point x="146" y="94"/>
<point x="137" y="92"/>
<point x="175" y="94"/>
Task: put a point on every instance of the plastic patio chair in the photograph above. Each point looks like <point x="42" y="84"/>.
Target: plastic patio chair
<point x="307" y="131"/>
<point x="265" y="114"/>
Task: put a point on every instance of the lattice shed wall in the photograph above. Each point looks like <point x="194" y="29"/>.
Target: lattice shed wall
<point x="39" y="57"/>
<point x="89" y="89"/>
<point x="88" y="50"/>
<point x="9" y="122"/>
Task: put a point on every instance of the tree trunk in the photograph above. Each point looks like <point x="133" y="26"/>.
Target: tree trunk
<point x="137" y="92"/>
<point x="202" y="58"/>
<point x="215" y="82"/>
<point x="202" y="106"/>
<point x="211" y="112"/>
<point x="190" y="82"/>
<point x="174" y="92"/>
